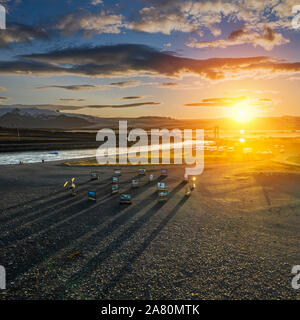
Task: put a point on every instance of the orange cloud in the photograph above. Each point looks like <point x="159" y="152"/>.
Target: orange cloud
<point x="231" y="101"/>
<point x="216" y="102"/>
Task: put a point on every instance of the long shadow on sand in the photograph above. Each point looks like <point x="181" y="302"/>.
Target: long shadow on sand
<point x="57" y="239"/>
<point x="58" y="204"/>
<point x="262" y="183"/>
<point x="205" y="191"/>
<point x="52" y="203"/>
<point x="32" y="201"/>
<point x="114" y="245"/>
<point x="131" y="259"/>
<point x="43" y="220"/>
<point x="288" y="184"/>
<point x="63" y="208"/>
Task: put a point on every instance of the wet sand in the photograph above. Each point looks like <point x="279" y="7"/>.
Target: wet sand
<point x="236" y="237"/>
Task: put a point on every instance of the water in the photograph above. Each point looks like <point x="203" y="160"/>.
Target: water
<point x="38" y="156"/>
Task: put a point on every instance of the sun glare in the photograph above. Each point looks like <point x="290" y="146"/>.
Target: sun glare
<point x="243" y="112"/>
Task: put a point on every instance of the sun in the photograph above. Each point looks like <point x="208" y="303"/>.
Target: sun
<point x="243" y="112"/>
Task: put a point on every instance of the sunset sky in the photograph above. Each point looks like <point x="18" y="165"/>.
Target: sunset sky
<point x="175" y="58"/>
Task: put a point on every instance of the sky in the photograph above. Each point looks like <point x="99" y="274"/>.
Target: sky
<point x="173" y="58"/>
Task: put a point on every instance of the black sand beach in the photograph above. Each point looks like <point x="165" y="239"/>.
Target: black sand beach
<point x="236" y="237"/>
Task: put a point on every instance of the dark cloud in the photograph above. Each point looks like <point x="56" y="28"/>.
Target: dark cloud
<point x="30" y="68"/>
<point x="237" y="34"/>
<point x="131" y="60"/>
<point x="15" y="33"/>
<point x="4" y="99"/>
<point x="129" y="105"/>
<point x="71" y="100"/>
<point x="132" y="98"/>
<point x="169" y="84"/>
<point x="79" y="87"/>
<point x="124" y="84"/>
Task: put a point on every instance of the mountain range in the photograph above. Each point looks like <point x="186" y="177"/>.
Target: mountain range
<point x="34" y="118"/>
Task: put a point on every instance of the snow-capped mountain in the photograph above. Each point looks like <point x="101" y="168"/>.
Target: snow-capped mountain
<point x="42" y="118"/>
<point x="34" y="112"/>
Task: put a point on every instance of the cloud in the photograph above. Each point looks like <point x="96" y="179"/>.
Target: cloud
<point x="16" y="33"/>
<point x="125" y="84"/>
<point x="4" y="99"/>
<point x="264" y="103"/>
<point x="129" y="105"/>
<point x="18" y="67"/>
<point x="268" y="39"/>
<point x="179" y="86"/>
<point x="282" y="13"/>
<point x="71" y="100"/>
<point x="127" y="60"/>
<point x="232" y="101"/>
<point x="169" y="84"/>
<point x="90" y="23"/>
<point x="217" y="102"/>
<point x="167" y="16"/>
<point x="75" y="87"/>
<point x="132" y="98"/>
<point x="133" y="83"/>
<point x="154" y="20"/>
